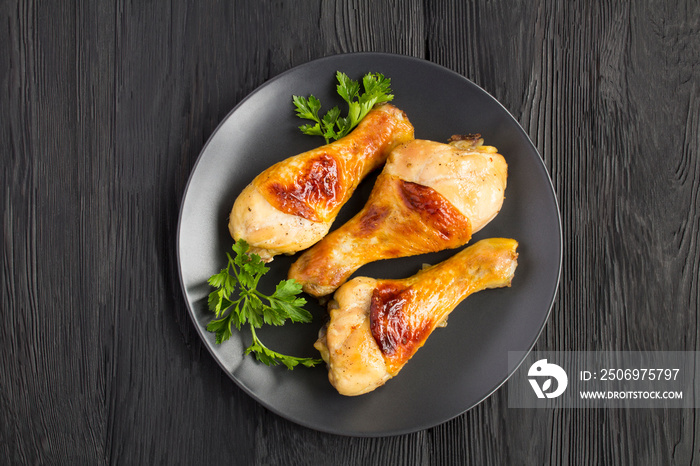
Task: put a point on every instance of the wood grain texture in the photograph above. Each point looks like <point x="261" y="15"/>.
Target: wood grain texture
<point x="105" y="107"/>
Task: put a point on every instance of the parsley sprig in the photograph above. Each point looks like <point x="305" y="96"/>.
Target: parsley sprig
<point x="250" y="306"/>
<point x="332" y="126"/>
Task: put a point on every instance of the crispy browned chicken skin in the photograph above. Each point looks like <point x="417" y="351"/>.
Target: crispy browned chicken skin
<point x="376" y="326"/>
<point x="291" y="205"/>
<point x="429" y="197"/>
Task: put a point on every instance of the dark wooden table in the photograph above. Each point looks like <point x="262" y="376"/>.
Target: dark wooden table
<point x="105" y="106"/>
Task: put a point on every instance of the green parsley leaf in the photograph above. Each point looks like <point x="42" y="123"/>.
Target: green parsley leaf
<point x="237" y="302"/>
<point x="272" y="358"/>
<point x="332" y="126"/>
<point x="308" y="110"/>
<point x="347" y="88"/>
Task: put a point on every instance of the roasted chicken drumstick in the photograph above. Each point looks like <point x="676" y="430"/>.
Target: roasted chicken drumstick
<point x="429" y="197"/>
<point x="376" y="326"/>
<point x="291" y="205"/>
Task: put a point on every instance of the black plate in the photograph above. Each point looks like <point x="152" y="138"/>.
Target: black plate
<point x="459" y="365"/>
